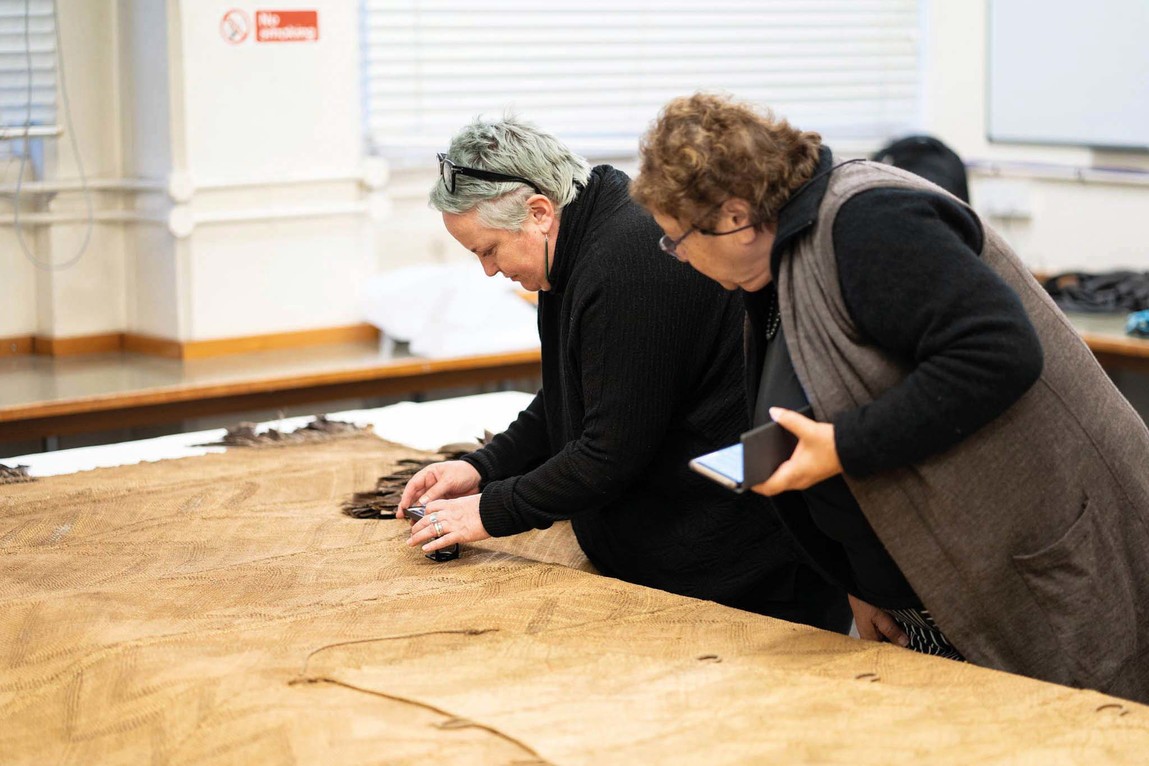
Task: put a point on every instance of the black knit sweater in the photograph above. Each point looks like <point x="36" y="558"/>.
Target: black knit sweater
<point x="915" y="286"/>
<point x="642" y="370"/>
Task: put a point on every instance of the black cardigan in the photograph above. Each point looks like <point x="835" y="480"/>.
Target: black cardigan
<point x="642" y="371"/>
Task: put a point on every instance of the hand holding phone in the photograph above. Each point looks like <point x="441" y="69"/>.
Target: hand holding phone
<point x="815" y="459"/>
<point x="753" y="460"/>
<point x="414" y="513"/>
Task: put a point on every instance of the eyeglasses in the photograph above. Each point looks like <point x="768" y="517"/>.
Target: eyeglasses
<point x="670" y="246"/>
<point x="448" y="170"/>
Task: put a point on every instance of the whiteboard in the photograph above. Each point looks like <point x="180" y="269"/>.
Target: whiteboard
<point x="1069" y="72"/>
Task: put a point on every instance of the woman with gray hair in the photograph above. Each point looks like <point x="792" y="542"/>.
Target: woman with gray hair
<point x="642" y="371"/>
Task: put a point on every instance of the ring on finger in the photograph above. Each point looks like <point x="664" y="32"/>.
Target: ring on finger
<point x="438" y="528"/>
<point x="433" y="518"/>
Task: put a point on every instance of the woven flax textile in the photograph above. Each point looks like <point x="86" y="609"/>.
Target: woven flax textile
<point x="222" y="610"/>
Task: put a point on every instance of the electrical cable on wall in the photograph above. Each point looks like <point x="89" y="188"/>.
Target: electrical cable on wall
<point x="71" y="260"/>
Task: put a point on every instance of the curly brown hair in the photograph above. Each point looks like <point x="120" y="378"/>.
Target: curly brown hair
<point x="706" y="148"/>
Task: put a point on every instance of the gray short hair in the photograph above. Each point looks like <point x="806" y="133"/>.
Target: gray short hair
<point x="515" y="147"/>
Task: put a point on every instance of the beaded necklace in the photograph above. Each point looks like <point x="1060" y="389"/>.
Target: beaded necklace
<point x="773" y="315"/>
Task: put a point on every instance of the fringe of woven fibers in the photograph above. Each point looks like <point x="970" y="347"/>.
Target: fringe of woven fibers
<point x="383" y="501"/>
<point x="17" y="474"/>
<point x="318" y="430"/>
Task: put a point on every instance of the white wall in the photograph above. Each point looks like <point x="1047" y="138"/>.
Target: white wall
<point x="96" y="282"/>
<point x="269" y="136"/>
<point x="257" y="219"/>
<point x="152" y="284"/>
<point x="89" y="297"/>
<point x="1064" y="224"/>
<point x="18" y="287"/>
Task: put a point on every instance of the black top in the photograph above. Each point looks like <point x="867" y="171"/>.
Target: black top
<point x="847" y="547"/>
<point x="642" y="371"/>
<point x="914" y="284"/>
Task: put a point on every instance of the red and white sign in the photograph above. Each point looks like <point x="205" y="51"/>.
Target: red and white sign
<point x="235" y="26"/>
<point x="286" y="26"/>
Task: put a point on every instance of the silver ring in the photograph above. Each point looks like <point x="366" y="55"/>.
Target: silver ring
<point x="438" y="528"/>
<point x="433" y="518"/>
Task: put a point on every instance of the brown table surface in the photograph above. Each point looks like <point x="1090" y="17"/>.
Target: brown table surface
<point x="1105" y="335"/>
<point x="44" y="396"/>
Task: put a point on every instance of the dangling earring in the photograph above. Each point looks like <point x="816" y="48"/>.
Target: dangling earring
<point x="547" y="256"/>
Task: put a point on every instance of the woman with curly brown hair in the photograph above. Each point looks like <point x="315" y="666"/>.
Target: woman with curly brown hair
<point x="969" y="471"/>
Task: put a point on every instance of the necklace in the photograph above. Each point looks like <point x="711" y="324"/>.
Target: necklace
<point x="773" y="315"/>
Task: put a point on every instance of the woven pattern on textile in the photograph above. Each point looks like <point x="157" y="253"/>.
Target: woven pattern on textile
<point x="222" y="609"/>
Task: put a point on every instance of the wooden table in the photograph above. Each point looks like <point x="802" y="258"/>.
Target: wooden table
<point x="43" y="396"/>
<point x="1105" y="336"/>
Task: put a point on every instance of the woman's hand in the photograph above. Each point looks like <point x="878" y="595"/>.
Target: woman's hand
<point x="452" y="478"/>
<point x="815" y="458"/>
<point x="458" y="522"/>
<point x="875" y="625"/>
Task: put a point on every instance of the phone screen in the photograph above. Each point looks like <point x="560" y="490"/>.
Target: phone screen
<point x="723" y="466"/>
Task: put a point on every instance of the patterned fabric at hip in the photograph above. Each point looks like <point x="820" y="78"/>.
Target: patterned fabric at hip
<point x="925" y="637"/>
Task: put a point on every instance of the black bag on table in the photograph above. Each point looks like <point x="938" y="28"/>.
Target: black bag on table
<point x="1111" y="292"/>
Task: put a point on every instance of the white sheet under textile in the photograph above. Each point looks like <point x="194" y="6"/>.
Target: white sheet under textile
<point x="423" y="425"/>
<point x="446" y="310"/>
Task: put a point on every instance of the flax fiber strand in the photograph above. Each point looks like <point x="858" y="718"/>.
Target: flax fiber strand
<point x="222" y="609"/>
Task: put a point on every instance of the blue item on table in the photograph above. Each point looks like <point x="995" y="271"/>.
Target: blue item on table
<point x="1137" y="324"/>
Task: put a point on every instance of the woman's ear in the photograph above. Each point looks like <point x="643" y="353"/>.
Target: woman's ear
<point x="737" y="211"/>
<point x="541" y="210"/>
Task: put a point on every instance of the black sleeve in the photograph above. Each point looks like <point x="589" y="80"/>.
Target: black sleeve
<point x="914" y="284"/>
<point x="638" y="333"/>
<point x="522" y="446"/>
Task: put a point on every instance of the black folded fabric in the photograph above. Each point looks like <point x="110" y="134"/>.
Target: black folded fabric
<point x="1112" y="292"/>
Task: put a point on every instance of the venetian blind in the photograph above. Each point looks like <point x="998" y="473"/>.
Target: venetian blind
<point x="27" y="49"/>
<point x="596" y="72"/>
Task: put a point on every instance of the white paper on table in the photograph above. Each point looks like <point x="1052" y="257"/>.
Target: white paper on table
<point x="447" y="310"/>
<point x="423" y="425"/>
<point x="430" y="425"/>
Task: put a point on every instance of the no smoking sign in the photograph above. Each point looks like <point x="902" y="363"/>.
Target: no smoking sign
<point x="296" y="26"/>
<point x="235" y="26"/>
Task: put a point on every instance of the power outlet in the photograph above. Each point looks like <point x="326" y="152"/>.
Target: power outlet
<point x="1004" y="198"/>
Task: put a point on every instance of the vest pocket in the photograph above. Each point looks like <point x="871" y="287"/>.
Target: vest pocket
<point x="1083" y="585"/>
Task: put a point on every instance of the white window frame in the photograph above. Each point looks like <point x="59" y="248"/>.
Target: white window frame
<point x="27" y="32"/>
<point x="595" y="72"/>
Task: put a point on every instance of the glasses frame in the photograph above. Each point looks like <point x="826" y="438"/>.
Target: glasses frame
<point x="448" y="170"/>
<point x="670" y="246"/>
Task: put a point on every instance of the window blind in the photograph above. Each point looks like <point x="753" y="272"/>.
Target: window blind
<point x="596" y="72"/>
<point x="27" y="34"/>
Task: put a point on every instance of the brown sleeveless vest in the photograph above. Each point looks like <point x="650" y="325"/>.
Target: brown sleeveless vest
<point x="1029" y="540"/>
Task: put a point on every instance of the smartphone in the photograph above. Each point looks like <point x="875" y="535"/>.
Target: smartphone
<point x="415" y="512"/>
<point x="753" y="460"/>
